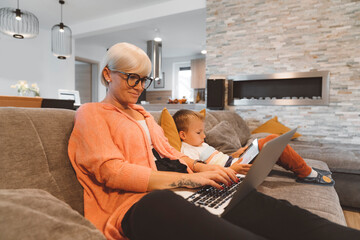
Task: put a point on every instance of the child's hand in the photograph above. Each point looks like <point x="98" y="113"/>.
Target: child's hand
<point x="239" y="152"/>
<point x="240" y="168"/>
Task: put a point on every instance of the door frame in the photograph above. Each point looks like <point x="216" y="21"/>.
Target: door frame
<point x="95" y="66"/>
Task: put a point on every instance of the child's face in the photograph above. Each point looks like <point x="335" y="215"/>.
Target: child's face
<point x="195" y="134"/>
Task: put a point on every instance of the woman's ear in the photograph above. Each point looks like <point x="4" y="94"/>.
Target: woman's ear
<point x="106" y="74"/>
<point x="182" y="135"/>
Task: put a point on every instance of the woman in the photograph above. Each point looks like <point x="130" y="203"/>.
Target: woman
<point x="111" y="150"/>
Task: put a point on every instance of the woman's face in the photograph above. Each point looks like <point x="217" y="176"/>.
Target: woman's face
<point x="121" y="91"/>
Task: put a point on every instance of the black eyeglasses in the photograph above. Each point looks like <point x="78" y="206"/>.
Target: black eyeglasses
<point x="133" y="79"/>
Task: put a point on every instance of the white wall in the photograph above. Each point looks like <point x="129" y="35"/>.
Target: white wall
<point x="32" y="60"/>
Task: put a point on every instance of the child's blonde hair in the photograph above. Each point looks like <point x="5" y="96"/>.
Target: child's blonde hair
<point x="182" y="118"/>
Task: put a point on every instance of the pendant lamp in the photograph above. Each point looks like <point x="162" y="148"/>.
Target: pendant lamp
<point x="61" y="39"/>
<point x="18" y="23"/>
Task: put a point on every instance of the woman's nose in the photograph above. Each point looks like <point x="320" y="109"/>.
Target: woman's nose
<point x="138" y="87"/>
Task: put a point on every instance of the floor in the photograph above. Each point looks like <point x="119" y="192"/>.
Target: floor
<point x="352" y="219"/>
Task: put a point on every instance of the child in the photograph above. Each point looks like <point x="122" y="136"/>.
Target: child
<point x="190" y="126"/>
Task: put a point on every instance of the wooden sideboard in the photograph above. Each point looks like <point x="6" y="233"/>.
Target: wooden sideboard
<point x="35" y="102"/>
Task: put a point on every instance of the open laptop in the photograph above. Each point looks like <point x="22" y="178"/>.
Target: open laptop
<point x="218" y="201"/>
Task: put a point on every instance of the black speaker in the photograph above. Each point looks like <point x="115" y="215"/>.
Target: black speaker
<point x="215" y="99"/>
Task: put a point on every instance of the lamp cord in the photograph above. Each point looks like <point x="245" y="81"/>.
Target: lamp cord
<point x="61" y="12"/>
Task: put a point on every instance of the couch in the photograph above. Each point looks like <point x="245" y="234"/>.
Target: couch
<point x="40" y="197"/>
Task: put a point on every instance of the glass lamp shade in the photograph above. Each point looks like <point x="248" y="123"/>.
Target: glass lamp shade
<point x="18" y="24"/>
<point x="61" y="41"/>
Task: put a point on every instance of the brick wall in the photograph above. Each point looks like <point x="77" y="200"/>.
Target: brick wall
<point x="261" y="37"/>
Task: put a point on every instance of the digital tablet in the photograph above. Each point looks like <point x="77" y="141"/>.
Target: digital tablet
<point x="251" y="152"/>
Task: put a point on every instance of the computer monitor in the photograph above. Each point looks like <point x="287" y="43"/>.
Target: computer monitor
<point x="70" y="95"/>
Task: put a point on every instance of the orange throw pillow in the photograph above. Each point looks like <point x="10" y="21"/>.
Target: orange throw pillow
<point x="168" y="125"/>
<point x="203" y="112"/>
<point x="275" y="127"/>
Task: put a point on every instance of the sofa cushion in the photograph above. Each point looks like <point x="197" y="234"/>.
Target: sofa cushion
<point x="275" y="127"/>
<point x="167" y="123"/>
<point x="344" y="158"/>
<point x="38" y="159"/>
<point x="210" y="121"/>
<point x="222" y="138"/>
<point x="320" y="200"/>
<point x="240" y="129"/>
<point x="36" y="214"/>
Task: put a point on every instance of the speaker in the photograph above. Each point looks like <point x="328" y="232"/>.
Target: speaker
<point x="215" y="99"/>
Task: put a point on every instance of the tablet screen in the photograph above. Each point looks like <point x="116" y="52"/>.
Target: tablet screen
<point x="251" y="152"/>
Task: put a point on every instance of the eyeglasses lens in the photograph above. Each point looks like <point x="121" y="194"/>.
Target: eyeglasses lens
<point x="134" y="79"/>
<point x="146" y="83"/>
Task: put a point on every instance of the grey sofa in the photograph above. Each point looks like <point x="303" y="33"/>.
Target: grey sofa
<point x="40" y="197"/>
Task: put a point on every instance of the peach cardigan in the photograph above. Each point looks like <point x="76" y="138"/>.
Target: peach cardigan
<point x="111" y="155"/>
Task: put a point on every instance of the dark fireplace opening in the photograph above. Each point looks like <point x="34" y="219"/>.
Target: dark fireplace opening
<point x="279" y="89"/>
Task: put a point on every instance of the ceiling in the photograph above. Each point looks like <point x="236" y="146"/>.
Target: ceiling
<point x="183" y="33"/>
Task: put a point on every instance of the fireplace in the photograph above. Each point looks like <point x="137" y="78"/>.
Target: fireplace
<point x="295" y="88"/>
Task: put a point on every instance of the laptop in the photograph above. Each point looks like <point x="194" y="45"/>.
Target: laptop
<point x="217" y="201"/>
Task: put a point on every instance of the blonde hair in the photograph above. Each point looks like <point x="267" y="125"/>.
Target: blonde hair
<point x="183" y="117"/>
<point x="125" y="57"/>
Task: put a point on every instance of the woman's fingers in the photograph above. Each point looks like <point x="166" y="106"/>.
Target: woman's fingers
<point x="225" y="176"/>
<point x="232" y="174"/>
<point x="205" y="178"/>
<point x="221" y="177"/>
<point x="228" y="174"/>
<point x="214" y="184"/>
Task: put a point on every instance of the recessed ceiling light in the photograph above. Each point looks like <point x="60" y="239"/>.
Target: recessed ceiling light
<point x="157" y="39"/>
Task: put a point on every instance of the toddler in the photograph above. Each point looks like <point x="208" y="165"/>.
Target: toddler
<point x="190" y="126"/>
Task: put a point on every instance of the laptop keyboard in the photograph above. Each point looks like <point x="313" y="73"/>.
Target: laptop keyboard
<point x="213" y="197"/>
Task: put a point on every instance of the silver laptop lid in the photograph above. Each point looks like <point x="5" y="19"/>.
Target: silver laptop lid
<point x="261" y="168"/>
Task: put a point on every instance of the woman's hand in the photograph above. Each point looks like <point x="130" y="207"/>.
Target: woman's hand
<point x="167" y="180"/>
<point x="194" y="180"/>
<point x="227" y="173"/>
<point x="239" y="152"/>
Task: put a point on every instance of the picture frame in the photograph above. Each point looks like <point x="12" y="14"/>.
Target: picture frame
<point x="70" y="95"/>
<point x="160" y="83"/>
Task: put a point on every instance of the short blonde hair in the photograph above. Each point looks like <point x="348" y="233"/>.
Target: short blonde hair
<point x="183" y="117"/>
<point x="125" y="57"/>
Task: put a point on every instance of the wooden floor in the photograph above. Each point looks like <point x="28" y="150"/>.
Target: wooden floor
<point x="352" y="219"/>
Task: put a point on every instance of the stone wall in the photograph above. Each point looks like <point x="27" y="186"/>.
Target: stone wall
<point x="262" y="37"/>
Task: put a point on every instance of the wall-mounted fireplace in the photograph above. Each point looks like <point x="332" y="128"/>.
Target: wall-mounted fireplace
<point x="295" y="88"/>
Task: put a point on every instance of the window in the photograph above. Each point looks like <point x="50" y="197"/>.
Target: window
<point x="182" y="83"/>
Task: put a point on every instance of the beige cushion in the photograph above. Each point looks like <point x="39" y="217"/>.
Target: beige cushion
<point x="33" y="146"/>
<point x="36" y="214"/>
<point x="320" y="200"/>
<point x="240" y="129"/>
<point x="223" y="138"/>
